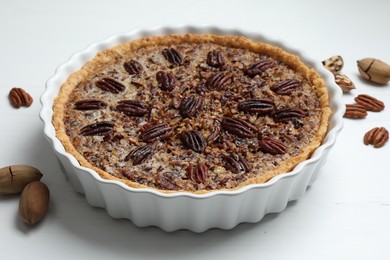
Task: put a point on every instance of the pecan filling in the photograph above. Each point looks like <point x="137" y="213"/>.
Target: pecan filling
<point x="192" y="116"/>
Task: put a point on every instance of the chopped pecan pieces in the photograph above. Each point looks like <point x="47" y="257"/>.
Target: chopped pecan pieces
<point x="215" y="59"/>
<point x="197" y="174"/>
<point x="258" y="106"/>
<point x="355" y="111"/>
<point x="238" y="127"/>
<point x="137" y="84"/>
<point x="218" y="81"/>
<point x="110" y="85"/>
<point x="272" y="146"/>
<point x="191" y="105"/>
<point x="215" y="132"/>
<point x="236" y="163"/>
<point x="111" y="137"/>
<point x="167" y="181"/>
<point x="19" y="97"/>
<point x="166" y="81"/>
<point x="370" y="103"/>
<point x="193" y="140"/>
<point x="140" y="154"/>
<point x="90" y="104"/>
<point x="157" y="132"/>
<point x="133" y="107"/>
<point x="173" y="56"/>
<point x="133" y="67"/>
<point x="100" y="128"/>
<point x="285" y="87"/>
<point x="378" y="136"/>
<point x="258" y="67"/>
<point x="288" y="114"/>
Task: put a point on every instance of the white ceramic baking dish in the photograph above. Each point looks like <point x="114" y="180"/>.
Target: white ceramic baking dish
<point x="196" y="212"/>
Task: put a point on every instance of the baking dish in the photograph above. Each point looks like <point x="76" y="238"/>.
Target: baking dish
<point x="182" y="210"/>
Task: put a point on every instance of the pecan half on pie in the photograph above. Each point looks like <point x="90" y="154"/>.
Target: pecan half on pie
<point x="193" y="113"/>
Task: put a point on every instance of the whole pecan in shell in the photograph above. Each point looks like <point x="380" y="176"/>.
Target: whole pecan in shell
<point x="140" y="154"/>
<point x="173" y="56"/>
<point x="157" y="132"/>
<point x="100" y="128"/>
<point x="285" y="87"/>
<point x="258" y="67"/>
<point x="272" y="146"/>
<point x="90" y="104"/>
<point x="193" y="140"/>
<point x="258" y="106"/>
<point x="374" y="70"/>
<point x="133" y="67"/>
<point x="238" y="127"/>
<point x="191" y="105"/>
<point x="133" y="107"/>
<point x="166" y="81"/>
<point x="110" y="85"/>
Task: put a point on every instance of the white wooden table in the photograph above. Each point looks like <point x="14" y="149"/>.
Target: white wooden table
<point x="344" y="215"/>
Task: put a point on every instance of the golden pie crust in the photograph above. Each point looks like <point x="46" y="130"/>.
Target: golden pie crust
<point x="125" y="51"/>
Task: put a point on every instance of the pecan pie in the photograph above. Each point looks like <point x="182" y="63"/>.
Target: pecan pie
<point x="192" y="112"/>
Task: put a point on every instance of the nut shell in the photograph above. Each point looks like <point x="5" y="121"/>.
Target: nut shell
<point x="34" y="202"/>
<point x="374" y="70"/>
<point x="334" y="64"/>
<point x="344" y="82"/>
<point x="14" y="178"/>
